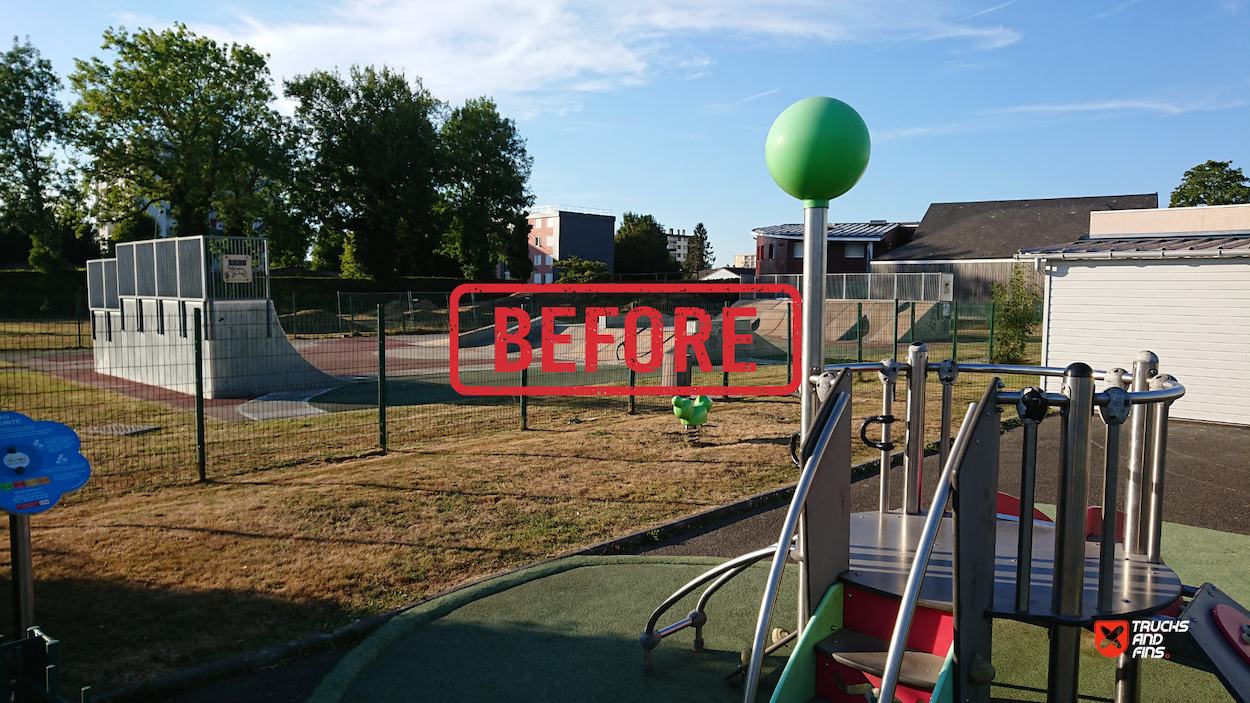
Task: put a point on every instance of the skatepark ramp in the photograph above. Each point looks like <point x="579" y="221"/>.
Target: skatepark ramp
<point x="147" y="302"/>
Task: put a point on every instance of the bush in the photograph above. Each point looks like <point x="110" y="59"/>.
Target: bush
<point x="1015" y="315"/>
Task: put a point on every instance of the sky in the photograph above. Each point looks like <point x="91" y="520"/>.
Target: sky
<point x="662" y="107"/>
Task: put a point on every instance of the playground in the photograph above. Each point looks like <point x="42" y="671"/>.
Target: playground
<point x="1042" y="564"/>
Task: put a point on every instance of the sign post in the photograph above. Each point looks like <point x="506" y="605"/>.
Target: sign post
<point x="39" y="462"/>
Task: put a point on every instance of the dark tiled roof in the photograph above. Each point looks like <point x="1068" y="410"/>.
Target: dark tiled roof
<point x="1146" y="247"/>
<point x="997" y="229"/>
<point x="850" y="230"/>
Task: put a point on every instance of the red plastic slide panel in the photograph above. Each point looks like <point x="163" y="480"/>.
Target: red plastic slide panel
<point x="643" y="327"/>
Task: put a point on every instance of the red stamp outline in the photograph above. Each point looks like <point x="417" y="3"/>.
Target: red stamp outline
<point x="796" y="327"/>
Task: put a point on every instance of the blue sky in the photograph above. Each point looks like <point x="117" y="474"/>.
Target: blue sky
<point x="662" y="107"/>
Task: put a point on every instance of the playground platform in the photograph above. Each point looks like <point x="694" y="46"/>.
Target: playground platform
<point x="566" y="630"/>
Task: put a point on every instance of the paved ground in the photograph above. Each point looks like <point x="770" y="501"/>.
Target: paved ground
<point x="1207" y="485"/>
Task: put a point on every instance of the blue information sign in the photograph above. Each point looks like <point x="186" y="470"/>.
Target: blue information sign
<point x="39" y="462"/>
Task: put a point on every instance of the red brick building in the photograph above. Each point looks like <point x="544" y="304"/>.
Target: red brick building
<point x="852" y="245"/>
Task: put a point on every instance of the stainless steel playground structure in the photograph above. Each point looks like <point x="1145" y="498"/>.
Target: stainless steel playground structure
<point x="827" y="542"/>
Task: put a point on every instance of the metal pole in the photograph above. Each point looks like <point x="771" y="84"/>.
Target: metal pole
<point x="1145" y="367"/>
<point x="1024" y="536"/>
<point x="911" y="334"/>
<point x="1114" y="413"/>
<point x="525" y="377"/>
<point x="815" y="240"/>
<point x="889" y="376"/>
<point x="382" y="377"/>
<point x="1069" y="576"/>
<point x="989" y="355"/>
<point x="859" y="332"/>
<point x="955" y="330"/>
<point x="789" y="349"/>
<point x="200" y="454"/>
<point x="913" y="456"/>
<point x="633" y="380"/>
<point x="23" y="575"/>
<point x="1152" y="524"/>
<point x="894" y="339"/>
<point x="948" y="371"/>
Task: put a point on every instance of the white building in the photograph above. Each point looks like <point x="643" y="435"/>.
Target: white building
<point x="744" y="261"/>
<point x="679" y="244"/>
<point x="1173" y="281"/>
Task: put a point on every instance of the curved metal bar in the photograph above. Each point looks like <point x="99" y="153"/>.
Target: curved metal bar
<point x="911" y="593"/>
<point x="771" y="648"/>
<point x="743" y="561"/>
<point x="1173" y="392"/>
<point x="716" y="585"/>
<point x="787" y="534"/>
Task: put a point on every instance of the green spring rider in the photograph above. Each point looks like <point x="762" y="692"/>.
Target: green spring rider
<point x="692" y="413"/>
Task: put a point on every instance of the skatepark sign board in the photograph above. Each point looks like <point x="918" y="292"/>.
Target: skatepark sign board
<point x="40" y="462"/>
<point x="690" y="337"/>
<point x="236" y="268"/>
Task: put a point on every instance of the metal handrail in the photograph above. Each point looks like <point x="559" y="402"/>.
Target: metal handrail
<point x="924" y="548"/>
<point x="650" y="637"/>
<point x="1174" y="391"/>
<point x="787" y="534"/>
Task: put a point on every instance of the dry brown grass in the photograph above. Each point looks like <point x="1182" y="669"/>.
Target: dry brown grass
<point x="143" y="584"/>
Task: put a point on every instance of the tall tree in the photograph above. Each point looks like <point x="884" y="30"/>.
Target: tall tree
<point x="642" y="246"/>
<point x="699" y="255"/>
<point x="484" y="195"/>
<point x="369" y="170"/>
<point x="1212" y="183"/>
<point x="36" y="190"/>
<point x="178" y="118"/>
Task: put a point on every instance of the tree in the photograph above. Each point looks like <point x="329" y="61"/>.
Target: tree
<point x="484" y="196"/>
<point x="1015" y="315"/>
<point x="699" y="254"/>
<point x="180" y="119"/>
<point x="575" y="269"/>
<point x="642" y="246"/>
<point x="36" y="193"/>
<point x="1212" y="183"/>
<point x="370" y="168"/>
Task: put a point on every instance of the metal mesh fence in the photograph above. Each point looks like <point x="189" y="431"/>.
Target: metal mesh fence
<point x="297" y="380"/>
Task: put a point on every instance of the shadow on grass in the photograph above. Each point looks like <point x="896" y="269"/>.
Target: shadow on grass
<point x="114" y="634"/>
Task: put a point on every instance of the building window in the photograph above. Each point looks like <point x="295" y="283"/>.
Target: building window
<point x="538" y="278"/>
<point x="855" y="250"/>
<point x="770" y="251"/>
<point x="549" y="240"/>
<point x="549" y="262"/>
<point x="536" y="241"/>
<point x="798" y="250"/>
<point x="549" y="277"/>
<point x="549" y="219"/>
<point x="538" y="259"/>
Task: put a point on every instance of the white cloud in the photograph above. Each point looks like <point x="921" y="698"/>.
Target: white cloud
<point x="1159" y="106"/>
<point x="551" y="51"/>
<point x="1116" y="10"/>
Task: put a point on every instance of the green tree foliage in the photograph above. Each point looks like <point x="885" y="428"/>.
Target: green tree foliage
<point x="178" y="118"/>
<point x="1212" y="183"/>
<point x="699" y="255"/>
<point x="484" y="197"/>
<point x="37" y="205"/>
<point x="369" y="167"/>
<point x="642" y="246"/>
<point x="1015" y="315"/>
<point x="575" y="269"/>
<point x="141" y="225"/>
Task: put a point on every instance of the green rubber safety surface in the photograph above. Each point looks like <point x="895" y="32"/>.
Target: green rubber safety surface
<point x="564" y="631"/>
<point x="567" y="630"/>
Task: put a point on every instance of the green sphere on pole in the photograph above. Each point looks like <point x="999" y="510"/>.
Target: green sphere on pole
<point x="817" y="150"/>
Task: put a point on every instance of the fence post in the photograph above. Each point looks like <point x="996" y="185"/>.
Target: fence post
<point x="633" y="379"/>
<point x="382" y="377"/>
<point x="199" y="394"/>
<point x="525" y="377"/>
<point x="78" y="315"/>
<point x="955" y="330"/>
<point x="789" y="347"/>
<point x="991" y="349"/>
<point x="859" y="332"/>
<point x="911" y="334"/>
<point x="894" y="339"/>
